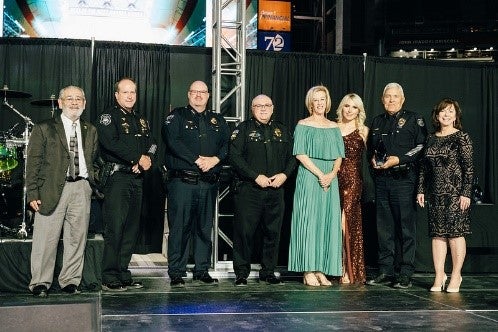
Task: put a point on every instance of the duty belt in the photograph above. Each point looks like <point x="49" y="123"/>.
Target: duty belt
<point x="397" y="172"/>
<point x="193" y="177"/>
<point x="120" y="168"/>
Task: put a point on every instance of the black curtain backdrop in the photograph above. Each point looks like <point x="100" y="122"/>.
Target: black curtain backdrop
<point x="149" y="66"/>
<point x="163" y="74"/>
<point x="425" y="83"/>
<point x="286" y="77"/>
<point x="41" y="67"/>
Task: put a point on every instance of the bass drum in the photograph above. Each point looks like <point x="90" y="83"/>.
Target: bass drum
<point x="11" y="202"/>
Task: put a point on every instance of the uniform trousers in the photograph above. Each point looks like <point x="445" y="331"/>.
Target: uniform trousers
<point x="396" y="222"/>
<point x="255" y="207"/>
<point x="71" y="217"/>
<point x="190" y="216"/>
<point x="121" y="213"/>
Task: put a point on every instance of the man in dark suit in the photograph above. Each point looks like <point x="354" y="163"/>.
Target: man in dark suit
<point x="61" y="152"/>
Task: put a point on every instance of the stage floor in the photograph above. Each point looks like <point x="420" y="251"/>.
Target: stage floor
<point x="288" y="307"/>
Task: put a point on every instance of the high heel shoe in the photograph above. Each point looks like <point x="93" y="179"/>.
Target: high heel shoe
<point x="440" y="288"/>
<point x="309" y="279"/>
<point x="322" y="279"/>
<point x="456" y="289"/>
<point x="345" y="279"/>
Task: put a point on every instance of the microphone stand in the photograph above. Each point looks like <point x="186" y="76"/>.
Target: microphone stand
<point x="22" y="233"/>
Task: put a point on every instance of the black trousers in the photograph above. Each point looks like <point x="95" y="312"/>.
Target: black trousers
<point x="255" y="207"/>
<point x="121" y="212"/>
<point x="190" y="216"/>
<point x="396" y="222"/>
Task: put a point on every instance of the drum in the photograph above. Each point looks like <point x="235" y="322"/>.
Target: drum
<point x="10" y="210"/>
<point x="10" y="156"/>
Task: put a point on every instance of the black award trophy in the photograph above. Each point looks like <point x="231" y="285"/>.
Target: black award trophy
<point x="380" y="153"/>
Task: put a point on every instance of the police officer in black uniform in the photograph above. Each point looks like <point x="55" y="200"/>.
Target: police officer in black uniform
<point x="394" y="146"/>
<point x="128" y="148"/>
<point x="196" y="144"/>
<point x="261" y="155"/>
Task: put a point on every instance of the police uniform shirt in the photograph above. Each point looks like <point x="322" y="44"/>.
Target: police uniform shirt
<point x="189" y="134"/>
<point x="124" y="136"/>
<point x="403" y="134"/>
<point x="258" y="148"/>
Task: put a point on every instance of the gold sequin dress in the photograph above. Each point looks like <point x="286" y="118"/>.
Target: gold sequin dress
<point x="350" y="187"/>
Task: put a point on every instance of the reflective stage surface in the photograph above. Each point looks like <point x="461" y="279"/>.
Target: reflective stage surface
<point x="257" y="306"/>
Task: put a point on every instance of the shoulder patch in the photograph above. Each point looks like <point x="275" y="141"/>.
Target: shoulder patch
<point x="169" y="118"/>
<point x="234" y="134"/>
<point x="421" y="122"/>
<point x="105" y="119"/>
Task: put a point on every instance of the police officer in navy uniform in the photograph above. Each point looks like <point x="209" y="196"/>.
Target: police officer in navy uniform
<point x="261" y="155"/>
<point x="394" y="147"/>
<point x="126" y="142"/>
<point x="196" y="144"/>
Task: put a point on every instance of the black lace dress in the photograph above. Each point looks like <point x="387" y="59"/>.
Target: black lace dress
<point x="446" y="173"/>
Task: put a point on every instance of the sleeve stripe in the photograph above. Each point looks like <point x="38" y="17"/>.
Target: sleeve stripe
<point x="415" y="150"/>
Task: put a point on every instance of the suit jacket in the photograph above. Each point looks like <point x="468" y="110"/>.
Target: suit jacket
<point x="48" y="161"/>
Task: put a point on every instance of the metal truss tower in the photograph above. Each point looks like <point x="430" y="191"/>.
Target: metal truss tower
<point x="228" y="89"/>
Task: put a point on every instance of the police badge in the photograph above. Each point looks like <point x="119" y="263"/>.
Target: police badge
<point x="277" y="132"/>
<point x="401" y="122"/>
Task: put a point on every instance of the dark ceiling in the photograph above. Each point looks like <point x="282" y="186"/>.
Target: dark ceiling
<point x="380" y="26"/>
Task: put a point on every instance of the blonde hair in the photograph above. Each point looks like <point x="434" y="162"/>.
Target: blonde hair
<point x="309" y="98"/>
<point x="358" y="102"/>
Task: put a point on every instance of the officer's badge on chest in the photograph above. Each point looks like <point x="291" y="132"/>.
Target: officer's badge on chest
<point x="401" y="122"/>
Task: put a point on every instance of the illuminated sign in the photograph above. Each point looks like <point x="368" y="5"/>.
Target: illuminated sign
<point x="274" y="41"/>
<point x="274" y="15"/>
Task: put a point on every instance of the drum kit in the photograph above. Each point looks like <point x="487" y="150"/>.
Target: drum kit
<point x="13" y="153"/>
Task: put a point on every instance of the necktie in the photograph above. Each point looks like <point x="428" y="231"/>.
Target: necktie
<point x="267" y="135"/>
<point x="202" y="134"/>
<point x="74" y="169"/>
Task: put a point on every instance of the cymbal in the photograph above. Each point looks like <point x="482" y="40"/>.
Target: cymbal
<point x="7" y="93"/>
<point x="46" y="102"/>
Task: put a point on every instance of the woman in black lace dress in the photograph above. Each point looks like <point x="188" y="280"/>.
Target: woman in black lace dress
<point x="446" y="178"/>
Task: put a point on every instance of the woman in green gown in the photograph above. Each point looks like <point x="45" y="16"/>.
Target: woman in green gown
<point x="316" y="235"/>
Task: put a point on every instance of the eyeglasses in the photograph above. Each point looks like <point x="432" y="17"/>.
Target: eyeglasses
<point x="76" y="99"/>
<point x="262" y="105"/>
<point x="202" y="92"/>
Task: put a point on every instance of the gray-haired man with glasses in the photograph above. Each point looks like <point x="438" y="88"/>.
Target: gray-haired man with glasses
<point x="261" y="155"/>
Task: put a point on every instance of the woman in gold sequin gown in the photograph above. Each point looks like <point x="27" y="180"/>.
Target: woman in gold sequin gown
<point x="351" y="117"/>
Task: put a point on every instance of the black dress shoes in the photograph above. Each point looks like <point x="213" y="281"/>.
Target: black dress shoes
<point x="177" y="282"/>
<point x="403" y="282"/>
<point x="71" y="289"/>
<point x="271" y="279"/>
<point x="40" y="291"/>
<point x="206" y="279"/>
<point x="381" y="279"/>
<point x="133" y="284"/>
<point x="114" y="287"/>
<point x="240" y="281"/>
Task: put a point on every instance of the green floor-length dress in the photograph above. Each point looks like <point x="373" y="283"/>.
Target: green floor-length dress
<point x="316" y="238"/>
